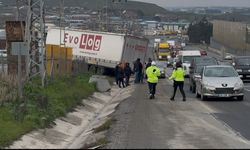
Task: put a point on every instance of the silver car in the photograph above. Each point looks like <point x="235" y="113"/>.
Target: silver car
<point x="162" y="65"/>
<point x="219" y="81"/>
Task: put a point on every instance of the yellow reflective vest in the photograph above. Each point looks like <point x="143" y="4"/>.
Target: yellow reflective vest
<point x="178" y="75"/>
<point x="152" y="73"/>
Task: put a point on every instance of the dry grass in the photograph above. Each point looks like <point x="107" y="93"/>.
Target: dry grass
<point x="8" y="88"/>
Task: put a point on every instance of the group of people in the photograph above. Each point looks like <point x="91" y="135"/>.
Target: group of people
<point x="123" y="70"/>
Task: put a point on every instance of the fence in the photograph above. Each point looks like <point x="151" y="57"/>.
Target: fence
<point x="232" y="35"/>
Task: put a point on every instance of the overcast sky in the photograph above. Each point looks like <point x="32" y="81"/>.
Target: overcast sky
<point x="190" y="3"/>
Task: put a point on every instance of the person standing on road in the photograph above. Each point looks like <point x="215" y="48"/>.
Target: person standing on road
<point x="128" y="72"/>
<point x="116" y="73"/>
<point x="148" y="65"/>
<point x="178" y="76"/>
<point x="152" y="73"/>
<point x="142" y="74"/>
<point x="121" y="75"/>
<point x="138" y="70"/>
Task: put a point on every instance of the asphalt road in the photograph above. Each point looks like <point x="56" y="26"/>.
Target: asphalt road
<point x="161" y="123"/>
<point x="234" y="113"/>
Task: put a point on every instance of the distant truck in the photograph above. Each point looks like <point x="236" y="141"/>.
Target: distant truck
<point x="186" y="58"/>
<point x="163" y="51"/>
<point x="156" y="42"/>
<point x="102" y="49"/>
<point x="183" y="44"/>
<point x="171" y="43"/>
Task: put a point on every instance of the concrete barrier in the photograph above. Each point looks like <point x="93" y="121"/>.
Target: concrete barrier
<point x="102" y="84"/>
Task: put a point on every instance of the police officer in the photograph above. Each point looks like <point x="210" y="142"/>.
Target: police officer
<point x="152" y="77"/>
<point x="178" y="77"/>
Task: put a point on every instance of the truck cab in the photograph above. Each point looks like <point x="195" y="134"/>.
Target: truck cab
<point x="163" y="51"/>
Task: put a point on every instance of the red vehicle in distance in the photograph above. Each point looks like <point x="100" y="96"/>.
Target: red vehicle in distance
<point x="203" y="52"/>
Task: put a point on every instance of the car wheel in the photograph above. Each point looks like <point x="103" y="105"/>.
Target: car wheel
<point x="203" y="97"/>
<point x="240" y="98"/>
<point x="197" y="94"/>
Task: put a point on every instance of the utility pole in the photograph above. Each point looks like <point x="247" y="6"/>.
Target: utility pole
<point x="107" y="22"/>
<point x="35" y="38"/>
<point x="20" y="17"/>
<point x="62" y="32"/>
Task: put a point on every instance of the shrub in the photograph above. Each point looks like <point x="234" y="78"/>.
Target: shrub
<point x="41" y="106"/>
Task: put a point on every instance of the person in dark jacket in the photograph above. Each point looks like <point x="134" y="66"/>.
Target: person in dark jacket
<point x="148" y="65"/>
<point x="128" y="72"/>
<point x="116" y="73"/>
<point x="121" y="76"/>
<point x="138" y="70"/>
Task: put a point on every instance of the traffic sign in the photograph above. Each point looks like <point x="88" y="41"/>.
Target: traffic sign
<point x="19" y="48"/>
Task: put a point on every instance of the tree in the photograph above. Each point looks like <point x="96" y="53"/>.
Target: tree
<point x="140" y="14"/>
<point x="157" y="18"/>
<point x="200" y="32"/>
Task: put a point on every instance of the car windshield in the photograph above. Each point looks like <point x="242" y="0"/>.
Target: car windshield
<point x="206" y="61"/>
<point x="198" y="69"/>
<point x="188" y="59"/>
<point x="161" y="64"/>
<point x="243" y="61"/>
<point x="163" y="50"/>
<point x="220" y="72"/>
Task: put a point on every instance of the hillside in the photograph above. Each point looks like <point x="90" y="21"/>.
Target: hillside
<point x="146" y="8"/>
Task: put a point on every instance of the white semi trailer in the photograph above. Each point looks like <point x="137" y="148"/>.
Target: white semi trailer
<point x="100" y="48"/>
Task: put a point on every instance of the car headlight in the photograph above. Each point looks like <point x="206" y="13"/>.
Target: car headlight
<point x="208" y="87"/>
<point x="239" y="70"/>
<point x="238" y="85"/>
<point x="160" y="57"/>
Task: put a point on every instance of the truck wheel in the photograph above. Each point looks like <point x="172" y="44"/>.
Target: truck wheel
<point x="101" y="70"/>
